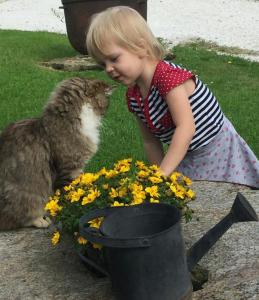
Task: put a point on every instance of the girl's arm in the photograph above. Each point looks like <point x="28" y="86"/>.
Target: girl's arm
<point x="153" y="147"/>
<point x="180" y="109"/>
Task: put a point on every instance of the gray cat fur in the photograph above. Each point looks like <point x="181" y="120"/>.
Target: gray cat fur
<point x="41" y="154"/>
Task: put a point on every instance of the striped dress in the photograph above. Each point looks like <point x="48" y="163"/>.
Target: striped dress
<point x="216" y="151"/>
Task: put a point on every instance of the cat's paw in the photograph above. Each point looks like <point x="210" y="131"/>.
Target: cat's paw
<point x="47" y="219"/>
<point x="41" y="222"/>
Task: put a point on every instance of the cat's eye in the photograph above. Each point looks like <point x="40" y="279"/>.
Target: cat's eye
<point x="101" y="64"/>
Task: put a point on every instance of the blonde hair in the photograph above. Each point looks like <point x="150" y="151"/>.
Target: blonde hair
<point x="124" y="26"/>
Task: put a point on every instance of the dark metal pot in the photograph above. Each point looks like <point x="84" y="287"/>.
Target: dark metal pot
<point x="78" y="14"/>
<point x="144" y="249"/>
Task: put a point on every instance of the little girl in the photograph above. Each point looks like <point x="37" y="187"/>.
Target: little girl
<point x="171" y="104"/>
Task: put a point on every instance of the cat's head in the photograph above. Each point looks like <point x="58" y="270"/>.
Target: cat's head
<point x="72" y="94"/>
<point x="98" y="93"/>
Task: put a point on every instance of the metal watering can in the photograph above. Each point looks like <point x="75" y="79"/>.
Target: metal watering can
<point x="144" y="250"/>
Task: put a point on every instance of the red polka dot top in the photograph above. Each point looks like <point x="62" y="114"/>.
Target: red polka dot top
<point x="154" y="112"/>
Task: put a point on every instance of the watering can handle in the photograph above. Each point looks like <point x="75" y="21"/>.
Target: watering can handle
<point x="94" y="235"/>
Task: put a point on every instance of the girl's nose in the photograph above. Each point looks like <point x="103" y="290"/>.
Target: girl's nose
<point x="108" y="68"/>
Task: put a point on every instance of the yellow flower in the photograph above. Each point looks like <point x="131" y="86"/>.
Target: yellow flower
<point x="123" y="166"/>
<point x="116" y="203"/>
<point x="111" y="173"/>
<point x="53" y="207"/>
<point x="152" y="200"/>
<point x="92" y="195"/>
<point x="173" y="188"/>
<point x="97" y="246"/>
<point x="76" y="181"/>
<point x="187" y="180"/>
<point x="139" y="195"/>
<point x="113" y="193"/>
<point x="68" y="187"/>
<point x="190" y="193"/>
<point x="138" y="199"/>
<point x="80" y="192"/>
<point x="152" y="191"/>
<point x="55" y="238"/>
<point x="179" y="194"/>
<point x="102" y="172"/>
<point x="142" y="174"/>
<point x="81" y="240"/>
<point x="105" y="186"/>
<point x="140" y="164"/>
<point x="88" y="178"/>
<point x="96" y="222"/>
<point x="74" y="196"/>
<point x="155" y="179"/>
<point x="136" y="187"/>
<point x="175" y="176"/>
<point x="154" y="168"/>
<point x="124" y="161"/>
<point x="122" y="192"/>
<point x="57" y="193"/>
<point x="178" y="190"/>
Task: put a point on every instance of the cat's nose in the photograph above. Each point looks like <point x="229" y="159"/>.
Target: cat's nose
<point x="109" y="89"/>
<point x="103" y="103"/>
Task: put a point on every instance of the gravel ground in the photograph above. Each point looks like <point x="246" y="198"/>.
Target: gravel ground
<point x="226" y="22"/>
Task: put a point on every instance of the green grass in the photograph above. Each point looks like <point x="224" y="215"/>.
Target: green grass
<point x="25" y="87"/>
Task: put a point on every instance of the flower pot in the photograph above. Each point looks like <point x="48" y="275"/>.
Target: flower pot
<point x="78" y="15"/>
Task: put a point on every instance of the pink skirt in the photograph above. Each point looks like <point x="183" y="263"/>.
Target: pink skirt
<point x="226" y="158"/>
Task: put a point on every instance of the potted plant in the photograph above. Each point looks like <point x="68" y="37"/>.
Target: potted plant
<point x="127" y="183"/>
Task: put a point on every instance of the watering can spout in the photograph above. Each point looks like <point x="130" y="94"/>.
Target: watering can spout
<point x="241" y="211"/>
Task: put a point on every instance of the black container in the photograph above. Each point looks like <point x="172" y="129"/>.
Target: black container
<point x="144" y="252"/>
<point x="78" y="15"/>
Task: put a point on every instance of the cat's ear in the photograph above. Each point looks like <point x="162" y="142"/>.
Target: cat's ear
<point x="62" y="107"/>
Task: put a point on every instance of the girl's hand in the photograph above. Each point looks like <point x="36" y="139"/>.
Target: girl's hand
<point x="153" y="147"/>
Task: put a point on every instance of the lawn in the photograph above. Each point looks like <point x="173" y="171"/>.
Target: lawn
<point x="25" y="87"/>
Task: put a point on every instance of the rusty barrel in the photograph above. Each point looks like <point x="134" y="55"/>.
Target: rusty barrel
<point x="78" y="15"/>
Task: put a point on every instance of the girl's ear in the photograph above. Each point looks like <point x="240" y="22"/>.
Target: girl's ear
<point x="143" y="52"/>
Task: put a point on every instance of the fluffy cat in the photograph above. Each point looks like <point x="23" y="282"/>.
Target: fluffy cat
<point x="39" y="155"/>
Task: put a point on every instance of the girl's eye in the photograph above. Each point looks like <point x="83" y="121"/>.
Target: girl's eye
<point x="114" y="59"/>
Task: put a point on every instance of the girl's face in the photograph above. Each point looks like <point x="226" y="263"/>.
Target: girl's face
<point x="122" y="65"/>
